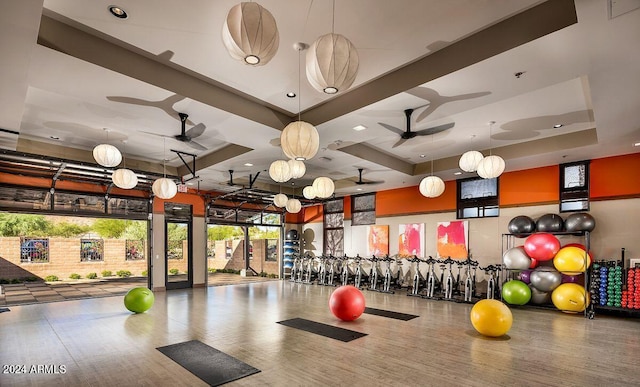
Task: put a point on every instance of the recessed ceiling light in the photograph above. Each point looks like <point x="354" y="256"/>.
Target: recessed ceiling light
<point x="556" y="126"/>
<point x="457" y="173"/>
<point x="248" y="164"/>
<point x="291" y="94"/>
<point x="54" y="137"/>
<point x="358" y="189"/>
<point x="118" y="12"/>
<point x="636" y="144"/>
<point x="422" y="156"/>
<point x="359" y="127"/>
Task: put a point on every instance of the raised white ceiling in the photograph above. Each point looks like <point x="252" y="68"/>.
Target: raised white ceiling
<point x="583" y="76"/>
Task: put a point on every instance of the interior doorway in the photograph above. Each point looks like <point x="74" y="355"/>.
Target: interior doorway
<point x="178" y="246"/>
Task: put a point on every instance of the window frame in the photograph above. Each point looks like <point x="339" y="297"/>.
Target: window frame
<point x="326" y="229"/>
<point x="574" y="194"/>
<point x="371" y="210"/>
<point x="481" y="204"/>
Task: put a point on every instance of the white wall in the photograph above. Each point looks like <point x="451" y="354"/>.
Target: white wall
<point x="617" y="226"/>
<point x="199" y="250"/>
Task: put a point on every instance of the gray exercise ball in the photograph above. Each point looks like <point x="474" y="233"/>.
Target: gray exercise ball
<point x="522" y="225"/>
<point x="550" y="223"/>
<point x="516" y="259"/>
<point x="580" y="221"/>
<point x="545" y="279"/>
<point x="538" y="297"/>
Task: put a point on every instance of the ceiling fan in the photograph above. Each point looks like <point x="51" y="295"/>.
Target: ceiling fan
<point x="408" y="134"/>
<point x="350" y="181"/>
<point x="185" y="135"/>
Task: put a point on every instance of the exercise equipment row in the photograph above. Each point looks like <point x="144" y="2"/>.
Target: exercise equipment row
<point x="455" y="280"/>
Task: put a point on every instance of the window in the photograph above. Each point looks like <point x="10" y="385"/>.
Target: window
<point x="334" y="227"/>
<point x="574" y="186"/>
<point x="477" y="198"/>
<point x="271" y="250"/>
<point x="134" y="250"/>
<point x="34" y="250"/>
<point x="363" y="209"/>
<point x="91" y="250"/>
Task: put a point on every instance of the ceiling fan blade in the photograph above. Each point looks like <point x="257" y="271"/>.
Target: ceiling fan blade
<point x="195" y="145"/>
<point x="400" y="142"/>
<point x="392" y="128"/>
<point x="435" y="129"/>
<point x="196" y="130"/>
<point x="363" y="182"/>
<point x="155" y="134"/>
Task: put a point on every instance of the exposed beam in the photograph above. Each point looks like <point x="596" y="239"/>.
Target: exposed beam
<point x="538" y="21"/>
<point x="72" y="38"/>
<point x="378" y="156"/>
<point x="225" y="153"/>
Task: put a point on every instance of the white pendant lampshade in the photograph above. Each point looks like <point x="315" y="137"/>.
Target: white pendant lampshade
<point x="297" y="168"/>
<point x="280" y="200"/>
<point x="332" y="63"/>
<point x="431" y="186"/>
<point x="323" y="187"/>
<point x="164" y="188"/>
<point x="299" y="140"/>
<point x="309" y="193"/>
<point x="107" y="155"/>
<point x="490" y="167"/>
<point x="124" y="178"/>
<point x="469" y="161"/>
<point x="250" y="34"/>
<point x="293" y="206"/>
<point x="279" y="171"/>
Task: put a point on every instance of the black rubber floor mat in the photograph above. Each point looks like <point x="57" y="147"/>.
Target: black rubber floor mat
<point x="321" y="329"/>
<point x="207" y="363"/>
<point x="390" y="314"/>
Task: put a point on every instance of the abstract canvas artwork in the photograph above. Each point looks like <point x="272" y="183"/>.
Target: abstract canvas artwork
<point x="377" y="240"/>
<point x="411" y="239"/>
<point x="453" y="239"/>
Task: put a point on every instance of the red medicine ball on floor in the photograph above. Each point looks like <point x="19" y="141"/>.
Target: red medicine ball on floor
<point x="347" y="303"/>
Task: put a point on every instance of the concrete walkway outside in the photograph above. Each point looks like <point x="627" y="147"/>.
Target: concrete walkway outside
<point x="40" y="292"/>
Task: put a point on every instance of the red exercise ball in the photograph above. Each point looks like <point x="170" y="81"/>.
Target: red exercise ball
<point x="347" y="303"/>
<point x="541" y="246"/>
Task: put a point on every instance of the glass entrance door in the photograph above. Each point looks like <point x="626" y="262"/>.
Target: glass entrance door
<point x="178" y="259"/>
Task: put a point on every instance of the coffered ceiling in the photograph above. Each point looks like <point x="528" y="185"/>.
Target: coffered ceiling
<point x="70" y="69"/>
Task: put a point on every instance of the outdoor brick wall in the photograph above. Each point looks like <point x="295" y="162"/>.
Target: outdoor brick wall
<point x="236" y="262"/>
<point x="64" y="259"/>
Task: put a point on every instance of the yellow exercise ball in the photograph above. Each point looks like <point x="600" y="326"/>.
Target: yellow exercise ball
<point x="570" y="297"/>
<point x="571" y="260"/>
<point x="491" y="318"/>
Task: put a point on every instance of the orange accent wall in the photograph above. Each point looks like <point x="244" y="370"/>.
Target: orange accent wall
<point x="615" y="176"/>
<point x="408" y="200"/>
<point x="538" y="185"/>
<point x="347" y="206"/>
<point x="183" y="198"/>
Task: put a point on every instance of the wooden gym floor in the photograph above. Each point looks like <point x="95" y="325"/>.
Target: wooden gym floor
<point x="100" y="343"/>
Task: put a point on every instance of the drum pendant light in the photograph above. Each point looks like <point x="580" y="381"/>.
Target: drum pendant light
<point x="299" y="140"/>
<point x="491" y="166"/>
<point x="107" y="155"/>
<point x="332" y="62"/>
<point x="124" y="178"/>
<point x="250" y="34"/>
<point x="431" y="186"/>
<point x="163" y="187"/>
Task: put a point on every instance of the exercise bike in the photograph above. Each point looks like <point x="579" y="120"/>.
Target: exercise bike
<point x="432" y="279"/>
<point x="418" y="278"/>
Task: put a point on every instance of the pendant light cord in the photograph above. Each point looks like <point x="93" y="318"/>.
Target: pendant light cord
<point x="299" y="76"/>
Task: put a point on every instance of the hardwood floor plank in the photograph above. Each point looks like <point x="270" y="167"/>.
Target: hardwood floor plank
<point x="102" y="344"/>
